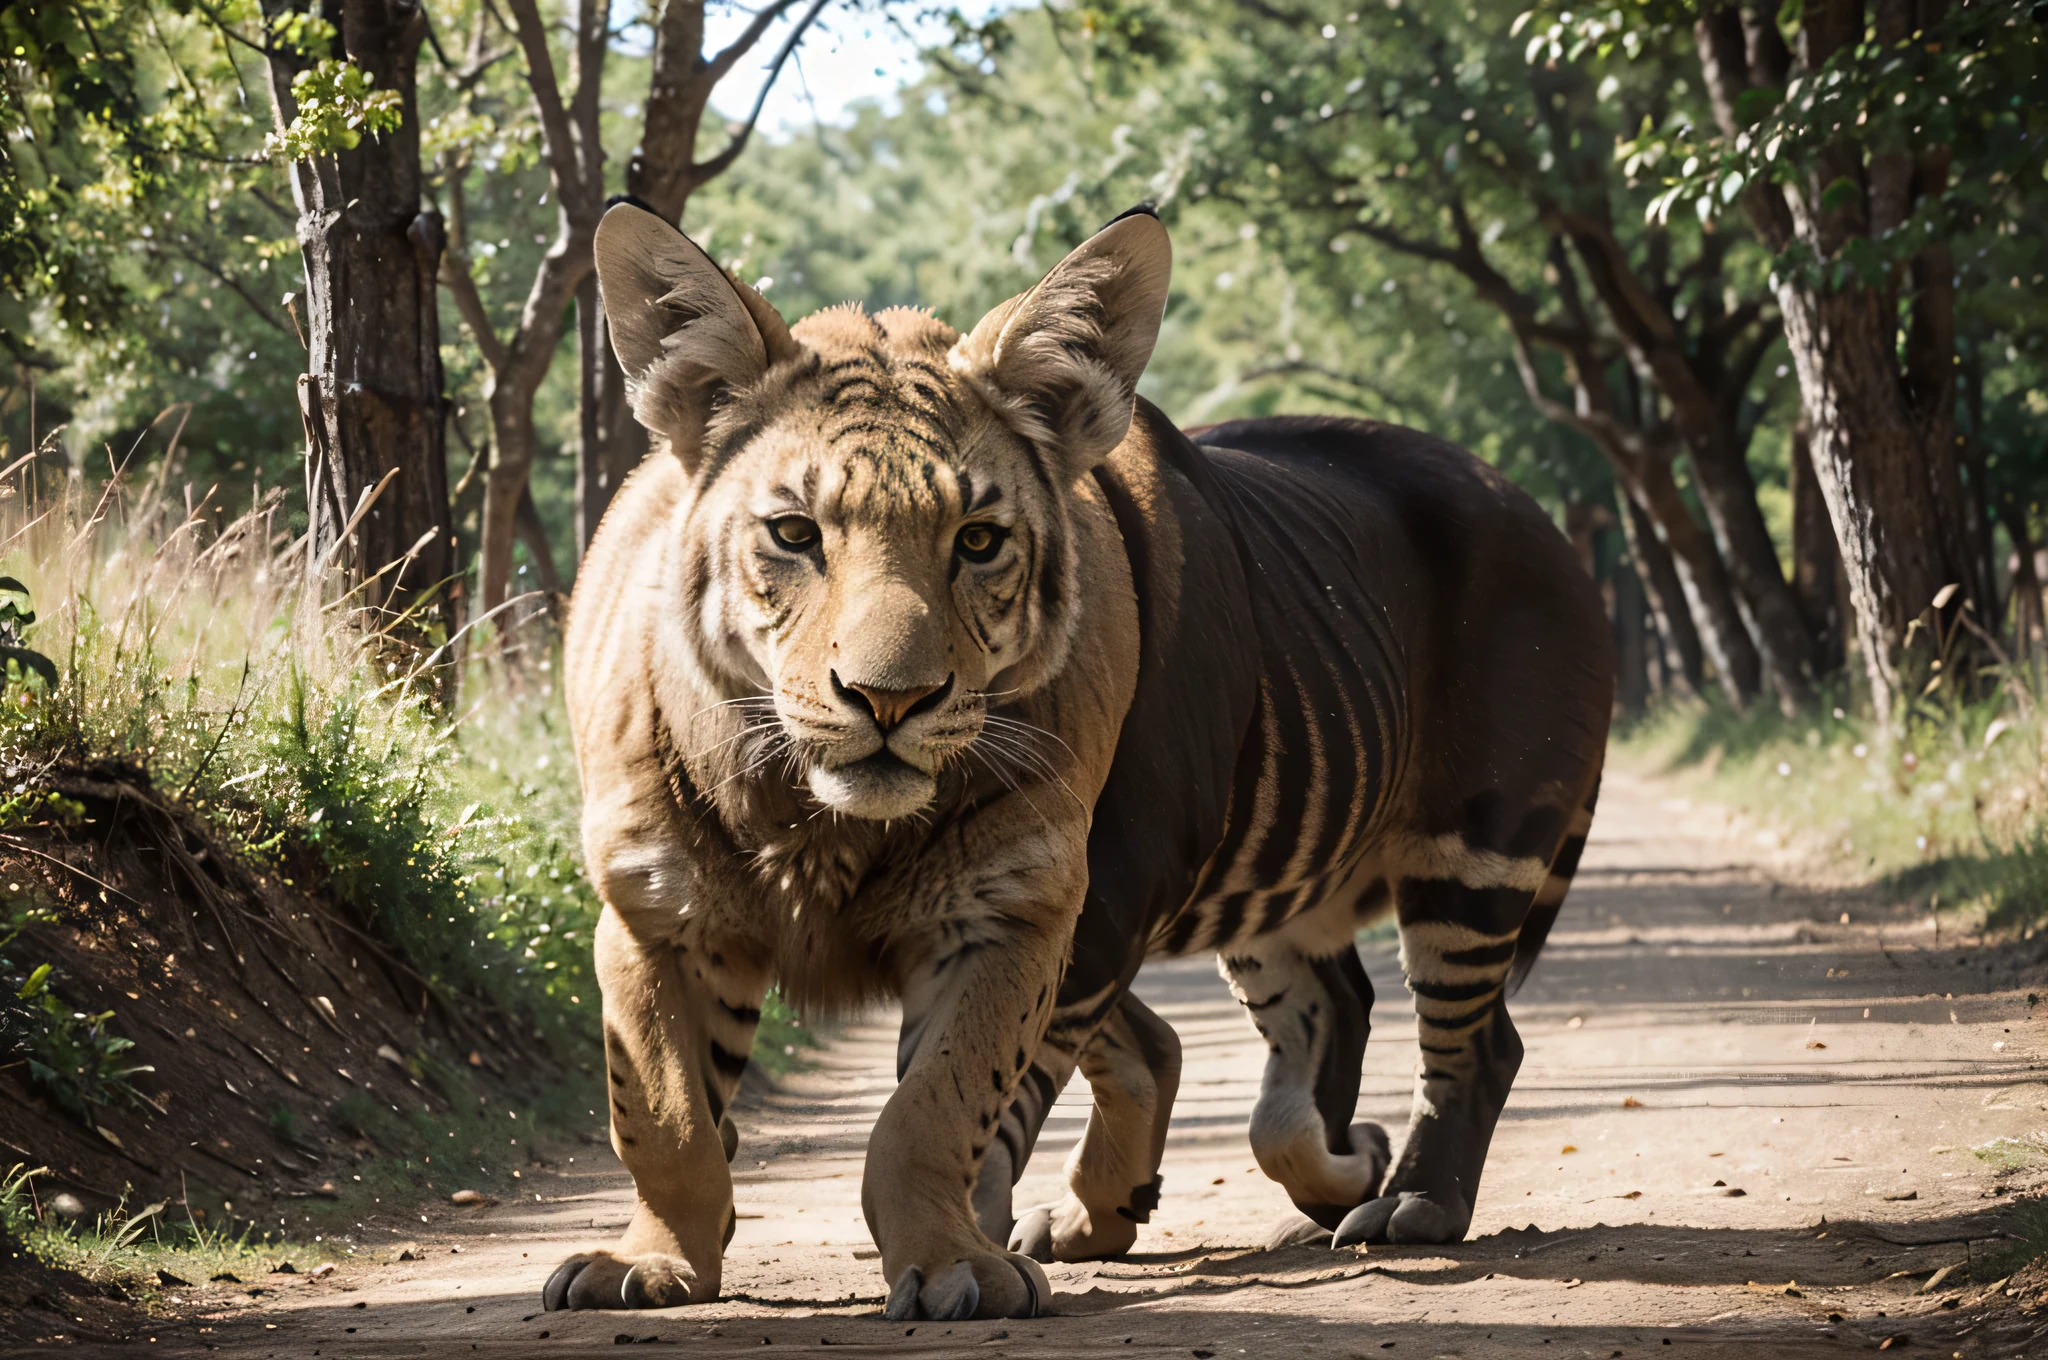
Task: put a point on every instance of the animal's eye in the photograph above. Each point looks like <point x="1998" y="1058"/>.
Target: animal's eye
<point x="980" y="542"/>
<point x="793" y="532"/>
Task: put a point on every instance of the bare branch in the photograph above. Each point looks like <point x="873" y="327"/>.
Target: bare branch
<point x="716" y="69"/>
<point x="719" y="164"/>
<point x="240" y="290"/>
<point x="456" y="278"/>
<point x="1300" y="367"/>
<point x="563" y="153"/>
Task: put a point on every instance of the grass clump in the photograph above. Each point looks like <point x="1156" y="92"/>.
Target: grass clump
<point x="1950" y="809"/>
<point x="132" y="1245"/>
<point x="432" y="791"/>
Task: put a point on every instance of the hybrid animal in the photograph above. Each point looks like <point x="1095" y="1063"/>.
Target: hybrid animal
<point x="942" y="667"/>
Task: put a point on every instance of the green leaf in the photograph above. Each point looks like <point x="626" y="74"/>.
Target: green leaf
<point x="1752" y="105"/>
<point x="34" y="662"/>
<point x="37" y="982"/>
<point x="1840" y="194"/>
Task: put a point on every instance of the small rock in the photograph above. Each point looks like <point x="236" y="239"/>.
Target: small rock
<point x="164" y="1277"/>
<point x="225" y="1277"/>
<point x="407" y="1256"/>
<point x="470" y="1197"/>
<point x="323" y="1270"/>
<point x="1899" y="1199"/>
<point x="284" y="1268"/>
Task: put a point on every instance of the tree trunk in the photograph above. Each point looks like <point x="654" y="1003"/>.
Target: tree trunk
<point x="371" y="398"/>
<point x="1631" y="642"/>
<point x="1816" y="563"/>
<point x="1888" y="472"/>
<point x="1682" y="656"/>
<point x="1728" y="494"/>
<point x="1883" y="412"/>
<point x="1723" y="635"/>
<point x="612" y="442"/>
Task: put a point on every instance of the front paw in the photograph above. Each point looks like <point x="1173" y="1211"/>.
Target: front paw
<point x="979" y="1285"/>
<point x="599" y="1279"/>
<point x="1068" y="1232"/>
<point x="1411" y="1216"/>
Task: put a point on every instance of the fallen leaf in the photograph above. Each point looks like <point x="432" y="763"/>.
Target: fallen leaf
<point x="1896" y="1339"/>
<point x="470" y="1197"/>
<point x="1900" y="1199"/>
<point x="1934" y="1280"/>
<point x="1631" y="1103"/>
<point x="1568" y="1147"/>
<point x="1633" y="1194"/>
<point x="1573" y="1283"/>
<point x="1815" y="1043"/>
<point x="390" y="1054"/>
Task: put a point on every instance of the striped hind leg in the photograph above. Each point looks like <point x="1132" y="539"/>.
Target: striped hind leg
<point x="1314" y="1014"/>
<point x="1471" y="924"/>
<point x="1132" y="1064"/>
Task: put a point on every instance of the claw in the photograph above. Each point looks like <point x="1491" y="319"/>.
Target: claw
<point x="902" y="1305"/>
<point x="951" y="1296"/>
<point x="652" y="1288"/>
<point x="1032" y="1235"/>
<point x="1297" y="1230"/>
<point x="1366" y="1223"/>
<point x="1035" y="1285"/>
<point x="554" y="1295"/>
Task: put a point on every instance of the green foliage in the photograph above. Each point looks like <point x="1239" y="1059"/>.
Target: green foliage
<point x="73" y="1054"/>
<point x="337" y="103"/>
<point x="126" y="1245"/>
<point x="16" y="618"/>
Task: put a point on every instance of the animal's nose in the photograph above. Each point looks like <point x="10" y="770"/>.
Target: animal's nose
<point x="891" y="707"/>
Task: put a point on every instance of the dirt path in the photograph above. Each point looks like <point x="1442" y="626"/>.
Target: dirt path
<point x="1716" y="1064"/>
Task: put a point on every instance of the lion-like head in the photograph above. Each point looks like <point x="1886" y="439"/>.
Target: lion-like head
<point x="878" y="534"/>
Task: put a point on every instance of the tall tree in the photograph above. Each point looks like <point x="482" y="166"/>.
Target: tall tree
<point x="1839" y="127"/>
<point x="376" y="470"/>
<point x="1403" y="126"/>
<point x="663" y="171"/>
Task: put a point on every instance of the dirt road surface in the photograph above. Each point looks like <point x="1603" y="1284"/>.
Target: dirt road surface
<point x="1744" y="1127"/>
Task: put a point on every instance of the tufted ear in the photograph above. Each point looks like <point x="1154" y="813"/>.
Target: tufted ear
<point x="1064" y="359"/>
<point x="684" y="330"/>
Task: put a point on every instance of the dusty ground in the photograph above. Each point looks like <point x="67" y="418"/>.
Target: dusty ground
<point x="1743" y="1128"/>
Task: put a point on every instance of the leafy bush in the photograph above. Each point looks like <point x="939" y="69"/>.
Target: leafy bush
<point x="197" y="658"/>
